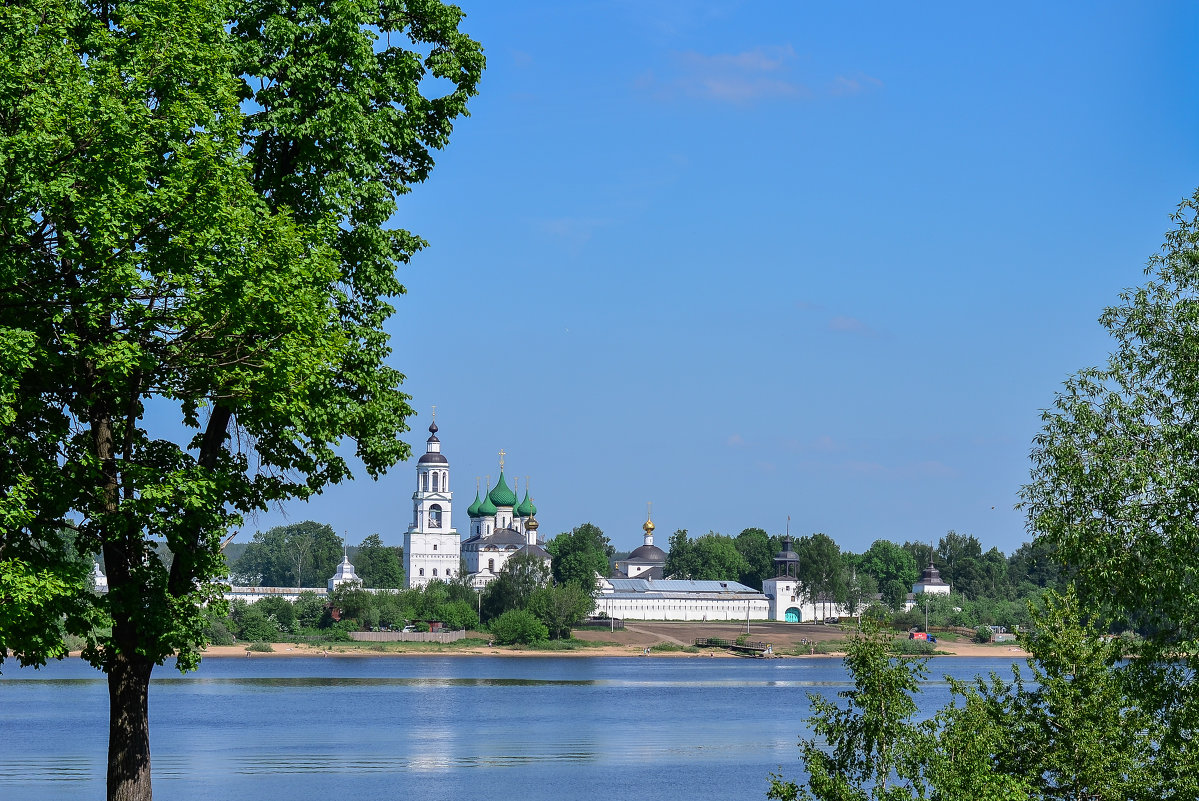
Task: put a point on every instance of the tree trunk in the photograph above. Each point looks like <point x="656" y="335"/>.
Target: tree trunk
<point x="129" y="728"/>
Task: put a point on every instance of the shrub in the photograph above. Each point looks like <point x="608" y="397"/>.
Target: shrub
<point x="982" y="634"/>
<point x="260" y="648"/>
<point x="458" y="615"/>
<point x="913" y="647"/>
<point x="518" y="626"/>
<point x="253" y="625"/>
<point x="217" y="633"/>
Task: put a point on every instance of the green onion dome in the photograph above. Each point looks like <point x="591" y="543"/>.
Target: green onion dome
<point x="473" y="509"/>
<point x="486" y="508"/>
<point x="500" y="495"/>
<point x="526" y="508"/>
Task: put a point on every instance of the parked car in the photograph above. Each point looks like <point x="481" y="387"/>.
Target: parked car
<point x="832" y="621"/>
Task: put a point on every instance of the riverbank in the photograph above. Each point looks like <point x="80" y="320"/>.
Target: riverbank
<point x="639" y="638"/>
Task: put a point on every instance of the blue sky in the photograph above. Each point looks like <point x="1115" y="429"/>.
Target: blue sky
<point x="752" y="260"/>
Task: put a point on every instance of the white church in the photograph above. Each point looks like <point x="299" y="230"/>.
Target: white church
<point x="500" y="526"/>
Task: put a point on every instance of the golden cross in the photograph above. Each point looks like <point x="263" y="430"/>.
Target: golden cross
<point x="502" y="455"/>
<point x="434" y="411"/>
<point x="649" y="510"/>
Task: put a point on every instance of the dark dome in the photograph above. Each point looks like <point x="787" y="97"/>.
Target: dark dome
<point x="786" y="556"/>
<point x="432" y="458"/>
<point x="648" y="553"/>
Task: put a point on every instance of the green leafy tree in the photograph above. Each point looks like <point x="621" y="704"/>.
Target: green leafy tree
<point x="513" y="587"/>
<point x="579" y="554"/>
<point x="820" y="569"/>
<point x="1071" y="730"/>
<point x="895" y="594"/>
<point x="518" y="626"/>
<point x="957" y="557"/>
<point x="561" y="607"/>
<point x="296" y="555"/>
<point x="160" y="247"/>
<point x="757" y="549"/>
<point x="1115" y="468"/>
<point x="712" y="557"/>
<point x="378" y="565"/>
<point x="874" y="747"/>
<point x="458" y="615"/>
<point x="889" y="562"/>
<point x="860" y="589"/>
<point x="1033" y="565"/>
<point x="680" y="556"/>
<point x="308" y="608"/>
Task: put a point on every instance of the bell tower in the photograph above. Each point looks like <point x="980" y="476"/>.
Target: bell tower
<point x="431" y="545"/>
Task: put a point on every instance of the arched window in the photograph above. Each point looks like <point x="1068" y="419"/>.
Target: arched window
<point x="422" y="571"/>
<point x="434" y="571"/>
<point x="435" y="516"/>
<point x="435" y="546"/>
<point x="436" y="476"/>
<point x="424" y="482"/>
<point x="491" y="565"/>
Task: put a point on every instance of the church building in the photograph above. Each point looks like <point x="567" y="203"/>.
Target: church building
<point x="500" y="526"/>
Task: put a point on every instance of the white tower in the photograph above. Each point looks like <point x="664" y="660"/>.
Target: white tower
<point x="431" y="545"/>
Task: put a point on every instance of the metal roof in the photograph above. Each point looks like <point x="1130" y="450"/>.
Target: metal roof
<point x="662" y="588"/>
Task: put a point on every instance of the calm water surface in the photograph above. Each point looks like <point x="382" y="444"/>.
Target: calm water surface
<point x="433" y="728"/>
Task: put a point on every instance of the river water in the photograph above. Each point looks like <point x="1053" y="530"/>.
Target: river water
<point x="357" y="728"/>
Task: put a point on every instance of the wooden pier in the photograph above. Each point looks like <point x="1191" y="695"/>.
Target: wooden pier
<point x="749" y="648"/>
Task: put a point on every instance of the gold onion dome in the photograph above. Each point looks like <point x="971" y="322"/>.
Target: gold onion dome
<point x="648" y="527"/>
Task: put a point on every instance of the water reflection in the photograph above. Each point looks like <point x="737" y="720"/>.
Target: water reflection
<point x="431" y="728"/>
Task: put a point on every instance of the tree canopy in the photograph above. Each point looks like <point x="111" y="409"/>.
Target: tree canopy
<point x="298" y="555"/>
<point x="579" y="554"/>
<point x="195" y="268"/>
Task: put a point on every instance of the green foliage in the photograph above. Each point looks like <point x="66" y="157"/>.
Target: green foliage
<point x="560" y="607"/>
<point x="309" y="608"/>
<point x="518" y="626"/>
<point x="217" y="633"/>
<point x="888" y="563"/>
<point x="379" y="566"/>
<point x="673" y="647"/>
<point x="513" y="588"/>
<point x="873" y="745"/>
<point x="820" y="568"/>
<point x="260" y="648"/>
<point x="296" y="555"/>
<point x="579" y="554"/>
<point x="251" y="623"/>
<point x="1116" y="464"/>
<point x="757" y="548"/>
<point x="908" y="647"/>
<point x="712" y="557"/>
<point x="158" y="246"/>
<point x="459" y="615"/>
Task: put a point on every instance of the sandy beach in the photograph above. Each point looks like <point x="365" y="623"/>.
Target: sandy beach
<point x="632" y="641"/>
